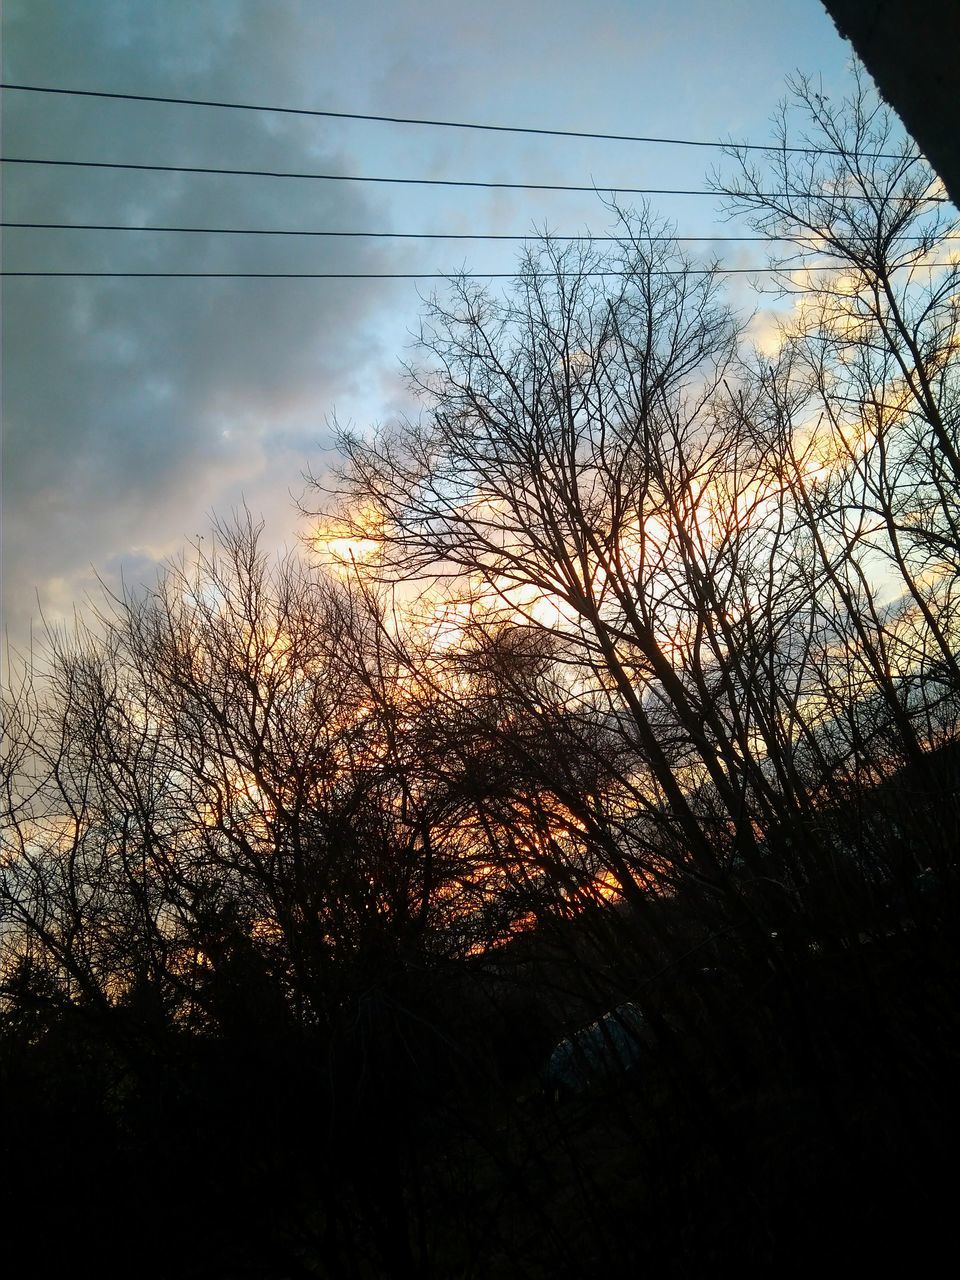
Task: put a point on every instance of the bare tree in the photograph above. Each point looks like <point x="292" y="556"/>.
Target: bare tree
<point x="585" y="466"/>
<point x="871" y="357"/>
<point x="635" y="688"/>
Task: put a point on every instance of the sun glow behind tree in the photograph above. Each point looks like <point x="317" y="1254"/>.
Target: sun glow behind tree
<point x="625" y="604"/>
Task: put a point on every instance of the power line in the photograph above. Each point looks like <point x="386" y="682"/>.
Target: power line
<point x="594" y="188"/>
<point x="328" y="275"/>
<point x="442" y="124"/>
<point x="518" y="274"/>
<point x="384" y="235"/>
<point x="428" y="235"/>
<point x="342" y="177"/>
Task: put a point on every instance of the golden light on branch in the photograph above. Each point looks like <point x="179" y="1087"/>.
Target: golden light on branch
<point x="351" y="542"/>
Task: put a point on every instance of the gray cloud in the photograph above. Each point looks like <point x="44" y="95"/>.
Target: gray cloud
<point x="132" y="409"/>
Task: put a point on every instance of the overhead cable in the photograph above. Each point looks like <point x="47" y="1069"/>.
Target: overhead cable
<point x="594" y="188"/>
<point x="443" y="124"/>
<point x="586" y="237"/>
<point x="519" y="274"/>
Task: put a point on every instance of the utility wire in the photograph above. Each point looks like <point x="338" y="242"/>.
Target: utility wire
<point x="594" y="188"/>
<point x="519" y="274"/>
<point x="322" y="275"/>
<point x="428" y="235"/>
<point x="444" y="124"/>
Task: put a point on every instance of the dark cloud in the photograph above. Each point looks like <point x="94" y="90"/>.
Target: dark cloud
<point x="131" y="408"/>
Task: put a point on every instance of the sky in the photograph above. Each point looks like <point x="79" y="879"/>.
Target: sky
<point x="133" y="410"/>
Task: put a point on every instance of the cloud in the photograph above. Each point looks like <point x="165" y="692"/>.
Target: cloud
<point x="132" y="408"/>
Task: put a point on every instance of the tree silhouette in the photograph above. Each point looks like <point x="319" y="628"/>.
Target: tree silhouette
<point x="627" y="681"/>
